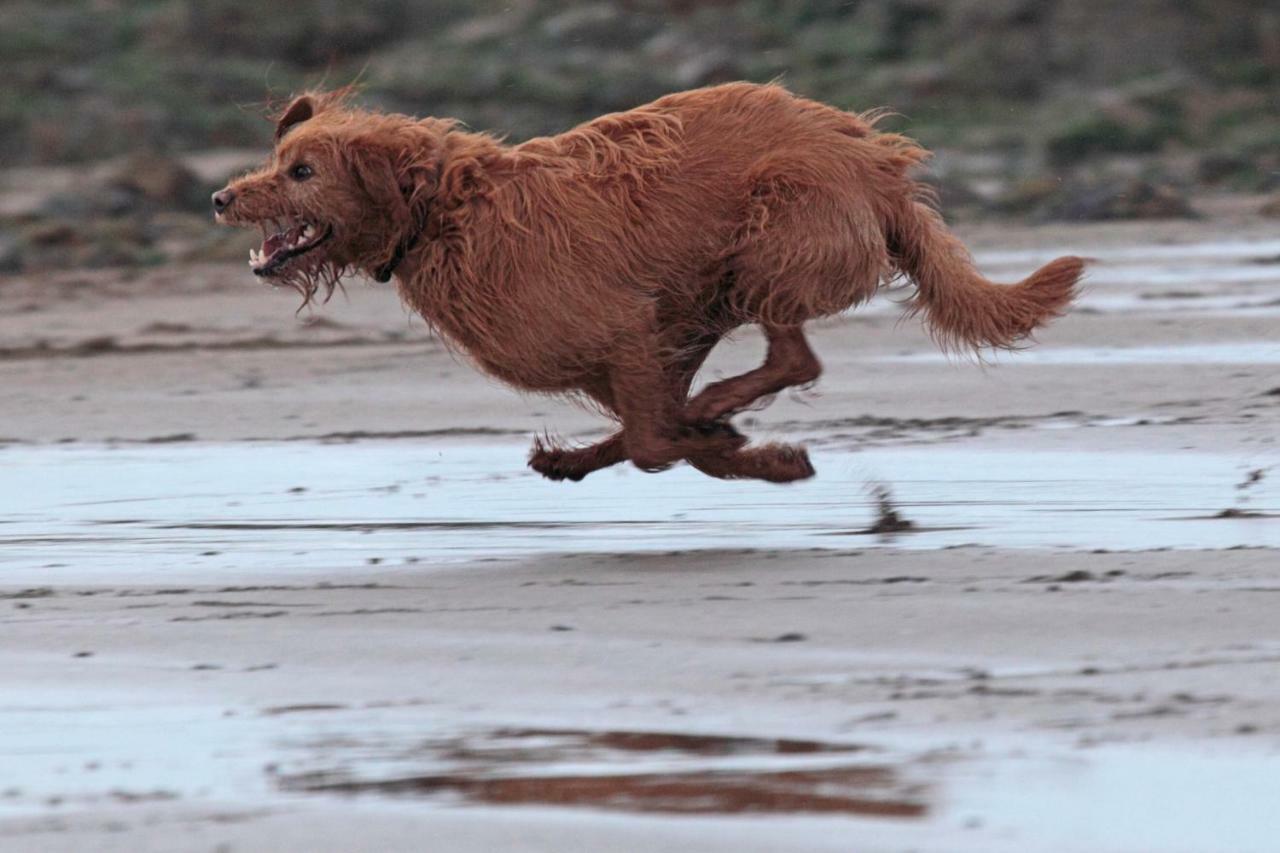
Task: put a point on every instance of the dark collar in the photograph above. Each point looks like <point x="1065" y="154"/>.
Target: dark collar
<point x="383" y="274"/>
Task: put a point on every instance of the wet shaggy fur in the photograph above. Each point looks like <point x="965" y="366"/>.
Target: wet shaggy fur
<point x="608" y="261"/>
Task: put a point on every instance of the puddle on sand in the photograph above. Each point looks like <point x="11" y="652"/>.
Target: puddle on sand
<point x="674" y="773"/>
<point x="241" y="511"/>
<point x="1026" y="794"/>
<point x="1021" y="793"/>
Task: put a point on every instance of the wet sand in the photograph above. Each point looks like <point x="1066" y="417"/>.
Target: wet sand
<point x="278" y="583"/>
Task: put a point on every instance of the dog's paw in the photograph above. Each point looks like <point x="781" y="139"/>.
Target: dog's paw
<point x="796" y="461"/>
<point x="783" y="463"/>
<point x="555" y="463"/>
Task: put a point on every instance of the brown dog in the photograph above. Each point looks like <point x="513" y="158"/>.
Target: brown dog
<point x="606" y="262"/>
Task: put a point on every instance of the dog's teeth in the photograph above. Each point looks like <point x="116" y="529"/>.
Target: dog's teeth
<point x="308" y="230"/>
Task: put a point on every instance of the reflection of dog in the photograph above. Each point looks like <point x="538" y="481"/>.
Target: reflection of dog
<point x="607" y="262"/>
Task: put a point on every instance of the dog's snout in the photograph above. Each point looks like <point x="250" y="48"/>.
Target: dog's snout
<point x="222" y="200"/>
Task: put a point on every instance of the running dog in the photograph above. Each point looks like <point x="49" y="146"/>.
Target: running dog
<point x="608" y="261"/>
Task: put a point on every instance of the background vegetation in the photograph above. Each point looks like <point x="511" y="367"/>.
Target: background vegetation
<point x="1035" y="106"/>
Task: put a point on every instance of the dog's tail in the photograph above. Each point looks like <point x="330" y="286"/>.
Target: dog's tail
<point x="961" y="307"/>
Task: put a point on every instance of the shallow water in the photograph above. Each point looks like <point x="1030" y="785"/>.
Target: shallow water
<point x="1232" y="278"/>
<point x="231" y="511"/>
<point x="1235" y="352"/>
<point x="1223" y="251"/>
<point x="1122" y="798"/>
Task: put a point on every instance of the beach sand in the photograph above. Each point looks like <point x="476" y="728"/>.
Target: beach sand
<point x="278" y="582"/>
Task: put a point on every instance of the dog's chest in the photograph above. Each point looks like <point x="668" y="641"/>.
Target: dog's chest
<point x="548" y="367"/>
<point x="524" y="348"/>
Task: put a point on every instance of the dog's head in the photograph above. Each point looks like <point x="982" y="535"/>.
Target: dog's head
<point x="345" y="190"/>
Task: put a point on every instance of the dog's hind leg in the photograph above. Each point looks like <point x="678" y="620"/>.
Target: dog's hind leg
<point x="776" y="463"/>
<point x="789" y="362"/>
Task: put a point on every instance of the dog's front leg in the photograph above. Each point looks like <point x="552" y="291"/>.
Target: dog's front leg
<point x="649" y="400"/>
<point x="574" y="463"/>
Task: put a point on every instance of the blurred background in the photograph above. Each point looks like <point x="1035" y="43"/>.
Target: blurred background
<point x="118" y="118"/>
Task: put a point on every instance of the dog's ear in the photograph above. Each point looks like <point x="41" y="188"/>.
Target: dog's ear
<point x="299" y="111"/>
<point x="391" y="186"/>
<point x="375" y="172"/>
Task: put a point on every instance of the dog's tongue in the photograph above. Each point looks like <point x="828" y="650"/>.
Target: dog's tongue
<point x="278" y="241"/>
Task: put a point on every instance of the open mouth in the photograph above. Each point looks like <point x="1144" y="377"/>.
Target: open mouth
<point x="287" y="243"/>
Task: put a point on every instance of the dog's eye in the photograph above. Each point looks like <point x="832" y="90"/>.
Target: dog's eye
<point x="300" y="172"/>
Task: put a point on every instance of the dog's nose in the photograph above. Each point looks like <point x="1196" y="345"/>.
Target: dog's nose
<point x="222" y="200"/>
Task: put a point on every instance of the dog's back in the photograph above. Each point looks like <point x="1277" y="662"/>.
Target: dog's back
<point x="729" y="205"/>
<point x="796" y="210"/>
<point x="783" y="196"/>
